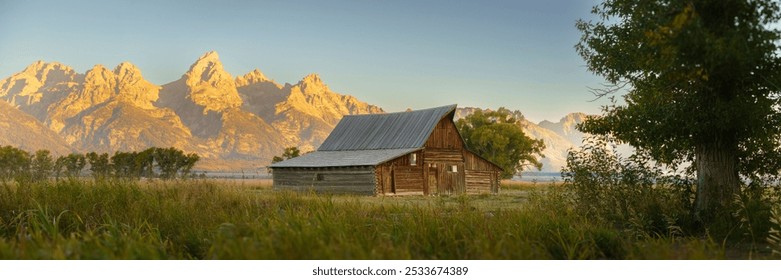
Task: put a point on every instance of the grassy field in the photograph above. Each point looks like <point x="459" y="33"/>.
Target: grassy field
<point x="247" y="220"/>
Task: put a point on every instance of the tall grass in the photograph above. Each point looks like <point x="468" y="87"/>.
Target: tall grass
<point x="208" y="220"/>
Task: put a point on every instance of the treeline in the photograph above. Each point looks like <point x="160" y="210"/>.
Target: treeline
<point x="164" y="163"/>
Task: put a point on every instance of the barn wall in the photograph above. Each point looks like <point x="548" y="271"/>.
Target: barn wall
<point x="399" y="176"/>
<point x="482" y="176"/>
<point x="441" y="178"/>
<point x="355" y="180"/>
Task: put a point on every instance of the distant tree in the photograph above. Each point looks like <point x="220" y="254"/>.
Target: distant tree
<point x="702" y="80"/>
<point x="290" y="152"/>
<point x="59" y="166"/>
<point x="498" y="137"/>
<point x="125" y="165"/>
<point x="173" y="162"/>
<point x="166" y="160"/>
<point x="41" y="165"/>
<point x="14" y="163"/>
<point x="145" y="161"/>
<point x="99" y="165"/>
<point x="71" y="165"/>
<point x="187" y="163"/>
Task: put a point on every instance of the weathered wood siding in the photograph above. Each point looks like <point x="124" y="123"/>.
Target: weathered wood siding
<point x="443" y="155"/>
<point x="356" y="180"/>
<point x="445" y="136"/>
<point x="482" y="176"/>
<point x="408" y="179"/>
<point x="399" y="176"/>
<point x="478" y="181"/>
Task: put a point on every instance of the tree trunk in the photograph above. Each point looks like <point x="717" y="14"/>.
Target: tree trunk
<point x="717" y="180"/>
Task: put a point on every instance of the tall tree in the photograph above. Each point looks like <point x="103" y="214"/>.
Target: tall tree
<point x="99" y="165"/>
<point x="72" y="164"/>
<point x="41" y="165"/>
<point x="125" y="165"/>
<point x="14" y="163"/>
<point x="498" y="137"/>
<point x="702" y="83"/>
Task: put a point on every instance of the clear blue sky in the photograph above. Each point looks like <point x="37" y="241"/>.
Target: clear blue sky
<point x="395" y="54"/>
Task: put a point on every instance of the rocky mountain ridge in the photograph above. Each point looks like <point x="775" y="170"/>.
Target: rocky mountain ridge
<point x="233" y="122"/>
<point x="230" y="121"/>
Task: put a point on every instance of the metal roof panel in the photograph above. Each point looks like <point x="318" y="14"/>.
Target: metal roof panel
<point x="400" y="130"/>
<point x="343" y="158"/>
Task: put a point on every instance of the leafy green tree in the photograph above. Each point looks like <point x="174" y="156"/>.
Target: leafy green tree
<point x="99" y="165"/>
<point x="498" y="137"/>
<point x="702" y="85"/>
<point x="123" y="165"/>
<point x="186" y="164"/>
<point x="167" y="161"/>
<point x="145" y="160"/>
<point x="14" y="163"/>
<point x="41" y="165"/>
<point x="290" y="152"/>
<point x="70" y="165"/>
<point x="173" y="162"/>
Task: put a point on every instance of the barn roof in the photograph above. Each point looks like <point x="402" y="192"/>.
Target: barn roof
<point x="401" y="130"/>
<point x="344" y="158"/>
<point x="362" y="140"/>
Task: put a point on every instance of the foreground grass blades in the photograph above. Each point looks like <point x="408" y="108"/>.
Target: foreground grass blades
<point x="117" y="219"/>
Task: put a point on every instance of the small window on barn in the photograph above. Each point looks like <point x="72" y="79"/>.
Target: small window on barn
<point x="319" y="177"/>
<point x="413" y="159"/>
<point x="454" y="168"/>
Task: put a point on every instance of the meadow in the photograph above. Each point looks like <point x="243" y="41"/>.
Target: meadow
<point x="208" y="219"/>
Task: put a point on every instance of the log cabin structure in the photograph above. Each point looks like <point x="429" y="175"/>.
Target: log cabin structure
<point x="415" y="152"/>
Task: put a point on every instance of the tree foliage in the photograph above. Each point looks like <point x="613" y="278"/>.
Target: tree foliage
<point x="19" y="165"/>
<point x="14" y="163"/>
<point x="173" y="162"/>
<point x="41" y="165"/>
<point x="290" y="152"/>
<point x="498" y="137"/>
<point x="99" y="165"/>
<point x="70" y="165"/>
<point x="126" y="165"/>
<point x="702" y="80"/>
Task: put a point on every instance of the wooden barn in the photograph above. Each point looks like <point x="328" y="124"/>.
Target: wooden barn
<point x="414" y="152"/>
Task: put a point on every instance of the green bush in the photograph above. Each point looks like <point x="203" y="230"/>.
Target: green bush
<point x="648" y="200"/>
<point x="631" y="193"/>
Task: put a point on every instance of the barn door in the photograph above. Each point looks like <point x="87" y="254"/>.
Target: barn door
<point x="455" y="178"/>
<point x="432" y="180"/>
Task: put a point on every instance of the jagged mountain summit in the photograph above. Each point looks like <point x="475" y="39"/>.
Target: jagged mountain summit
<point x="226" y="119"/>
<point x="566" y="127"/>
<point x="39" y="86"/>
<point x="233" y="122"/>
<point x="304" y="113"/>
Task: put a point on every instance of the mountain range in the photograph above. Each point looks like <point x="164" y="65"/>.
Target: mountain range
<point x="231" y="122"/>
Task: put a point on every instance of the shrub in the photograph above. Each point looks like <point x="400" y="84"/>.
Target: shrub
<point x="633" y="193"/>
